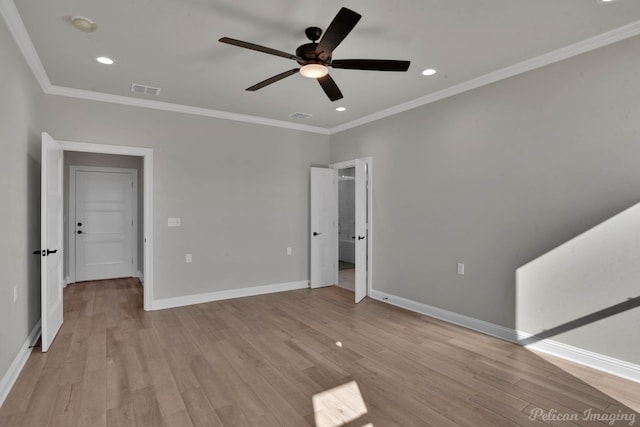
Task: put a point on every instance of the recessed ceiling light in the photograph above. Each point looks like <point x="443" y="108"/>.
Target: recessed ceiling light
<point x="341" y="109"/>
<point x="84" y="24"/>
<point x="429" y="72"/>
<point x="104" y="60"/>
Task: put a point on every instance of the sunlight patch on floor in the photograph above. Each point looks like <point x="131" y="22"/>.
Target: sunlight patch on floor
<point x="337" y="406"/>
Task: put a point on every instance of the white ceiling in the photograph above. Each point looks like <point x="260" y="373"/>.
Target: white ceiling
<point x="173" y="44"/>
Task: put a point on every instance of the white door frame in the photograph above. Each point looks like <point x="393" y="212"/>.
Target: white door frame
<point x="72" y="214"/>
<point x="147" y="204"/>
<point x="351" y="164"/>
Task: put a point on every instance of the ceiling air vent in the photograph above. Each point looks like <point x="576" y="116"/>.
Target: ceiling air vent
<point x="299" y="115"/>
<point x="147" y="90"/>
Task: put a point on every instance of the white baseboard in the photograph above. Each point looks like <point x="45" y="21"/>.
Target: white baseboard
<point x="141" y="277"/>
<point x="594" y="360"/>
<point x="597" y="361"/>
<point x="160" y="304"/>
<point x="10" y="377"/>
<point x="494" y="330"/>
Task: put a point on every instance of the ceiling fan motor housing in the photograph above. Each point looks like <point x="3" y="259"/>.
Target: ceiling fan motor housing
<point x="309" y="55"/>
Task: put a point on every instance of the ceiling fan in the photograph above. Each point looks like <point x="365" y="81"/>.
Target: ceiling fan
<point x="314" y="58"/>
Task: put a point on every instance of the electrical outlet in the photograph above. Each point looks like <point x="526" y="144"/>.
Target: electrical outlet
<point x="188" y="258"/>
<point x="461" y="269"/>
<point x="173" y="222"/>
<point x="15" y="293"/>
<point x="289" y="250"/>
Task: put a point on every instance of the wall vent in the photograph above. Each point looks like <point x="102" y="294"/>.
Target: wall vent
<point x="147" y="90"/>
<point x="299" y="115"/>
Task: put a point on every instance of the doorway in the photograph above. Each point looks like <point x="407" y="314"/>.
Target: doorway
<point x="145" y="211"/>
<point x="324" y="230"/>
<point x="357" y="173"/>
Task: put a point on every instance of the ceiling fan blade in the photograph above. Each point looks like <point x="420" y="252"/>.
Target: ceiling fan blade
<point x="330" y="87"/>
<point x="371" y="64"/>
<point x="273" y="79"/>
<point x="259" y="48"/>
<point x="339" y="28"/>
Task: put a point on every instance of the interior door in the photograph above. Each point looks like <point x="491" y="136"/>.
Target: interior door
<point x="51" y="240"/>
<point x="361" y="231"/>
<point x="324" y="231"/>
<point x="104" y="224"/>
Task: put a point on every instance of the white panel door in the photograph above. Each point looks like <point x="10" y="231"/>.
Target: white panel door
<point x="324" y="229"/>
<point x="51" y="240"/>
<point x="104" y="224"/>
<point x="361" y="231"/>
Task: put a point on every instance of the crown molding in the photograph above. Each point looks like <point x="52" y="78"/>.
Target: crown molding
<point x="601" y="40"/>
<point x="19" y="32"/>
<point x="177" y="108"/>
<point x="16" y="27"/>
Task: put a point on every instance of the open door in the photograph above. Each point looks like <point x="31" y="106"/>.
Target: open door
<point x="51" y="239"/>
<point x="324" y="232"/>
<point x="361" y="231"/>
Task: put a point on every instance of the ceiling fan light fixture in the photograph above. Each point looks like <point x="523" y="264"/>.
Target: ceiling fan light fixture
<point x="314" y="71"/>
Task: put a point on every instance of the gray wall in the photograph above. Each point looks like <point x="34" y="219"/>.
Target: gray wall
<point x="72" y="158"/>
<point x="20" y="127"/>
<point x="241" y="190"/>
<point x="497" y="177"/>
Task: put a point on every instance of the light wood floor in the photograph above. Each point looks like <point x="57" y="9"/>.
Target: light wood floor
<point x="306" y="357"/>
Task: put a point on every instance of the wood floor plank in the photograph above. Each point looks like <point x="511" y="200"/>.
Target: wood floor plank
<point x="146" y="410"/>
<point x="297" y="358"/>
<point x="93" y="410"/>
<point x="66" y="410"/>
<point x="199" y="408"/>
<point x="40" y="407"/>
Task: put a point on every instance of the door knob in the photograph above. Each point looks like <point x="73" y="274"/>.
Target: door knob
<point x="51" y="252"/>
<point x="79" y="224"/>
<point x="360" y="237"/>
<point x="316" y="233"/>
<point x="79" y="231"/>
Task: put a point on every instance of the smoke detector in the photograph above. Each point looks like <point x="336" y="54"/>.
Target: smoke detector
<point x="84" y="24"/>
